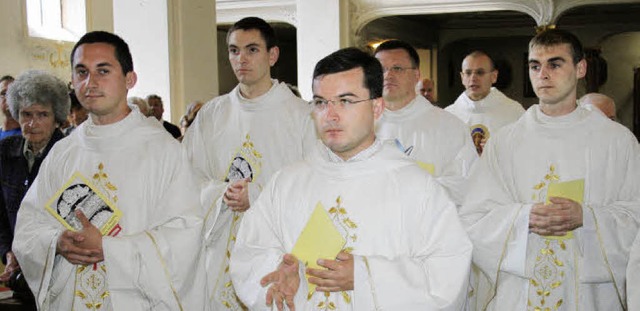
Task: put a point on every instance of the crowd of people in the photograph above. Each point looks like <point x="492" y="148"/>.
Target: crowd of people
<point x="478" y="206"/>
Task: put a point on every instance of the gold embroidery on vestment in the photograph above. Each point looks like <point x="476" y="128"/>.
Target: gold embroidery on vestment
<point x="549" y="269"/>
<point x="340" y="217"/>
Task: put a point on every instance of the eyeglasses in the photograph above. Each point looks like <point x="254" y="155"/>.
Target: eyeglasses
<point x="480" y="72"/>
<point x="322" y="104"/>
<point x="396" y="69"/>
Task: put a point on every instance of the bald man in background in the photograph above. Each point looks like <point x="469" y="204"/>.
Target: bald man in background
<point x="427" y="88"/>
<point x="603" y="102"/>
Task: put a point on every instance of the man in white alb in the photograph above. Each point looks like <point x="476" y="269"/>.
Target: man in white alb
<point x="535" y="247"/>
<point x="483" y="107"/>
<point x="434" y="138"/>
<point x="238" y="141"/>
<point x="150" y="259"/>
<point x="405" y="249"/>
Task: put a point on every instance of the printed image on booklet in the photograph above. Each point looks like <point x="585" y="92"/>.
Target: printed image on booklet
<point x="79" y="194"/>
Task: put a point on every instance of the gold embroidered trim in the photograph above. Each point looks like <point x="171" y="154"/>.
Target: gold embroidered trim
<point x="339" y="216"/>
<point x="502" y="254"/>
<point x="166" y="270"/>
<point x="548" y="275"/>
<point x="46" y="265"/>
<point x="90" y="283"/>
<point x="228" y="296"/>
<point x="606" y="259"/>
<point x="373" y="286"/>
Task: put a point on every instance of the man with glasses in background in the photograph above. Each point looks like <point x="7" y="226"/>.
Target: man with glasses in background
<point x="434" y="138"/>
<point x="482" y="107"/>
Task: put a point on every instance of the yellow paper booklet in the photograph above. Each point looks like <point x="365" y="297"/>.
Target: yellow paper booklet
<point x="319" y="239"/>
<point x="573" y="189"/>
<point x="429" y="167"/>
<point x="78" y="193"/>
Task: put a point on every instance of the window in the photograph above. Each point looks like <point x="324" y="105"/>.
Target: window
<point x="63" y="20"/>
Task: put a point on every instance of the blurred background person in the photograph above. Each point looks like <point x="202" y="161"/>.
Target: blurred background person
<point x="139" y="102"/>
<point x="426" y="88"/>
<point x="189" y="116"/>
<point x="77" y="115"/>
<point x="603" y="102"/>
<point x="9" y="126"/>
<point x="156" y="109"/>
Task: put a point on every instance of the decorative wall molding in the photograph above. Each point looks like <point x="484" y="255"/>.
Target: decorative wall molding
<point x="230" y="11"/>
<point x="361" y="12"/>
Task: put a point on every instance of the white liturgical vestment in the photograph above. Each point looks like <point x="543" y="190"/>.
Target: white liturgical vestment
<point x="633" y="276"/>
<point x="410" y="250"/>
<point x="486" y="116"/>
<point x="233" y="138"/>
<point x="526" y="271"/>
<point x="153" y="261"/>
<point x="435" y="139"/>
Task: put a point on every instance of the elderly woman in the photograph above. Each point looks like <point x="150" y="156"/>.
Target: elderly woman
<point x="39" y="101"/>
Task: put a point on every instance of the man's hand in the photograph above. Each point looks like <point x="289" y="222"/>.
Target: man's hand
<point x="285" y="282"/>
<point x="237" y="195"/>
<point x="338" y="277"/>
<point x="557" y="218"/>
<point x="83" y="247"/>
<point x="12" y="265"/>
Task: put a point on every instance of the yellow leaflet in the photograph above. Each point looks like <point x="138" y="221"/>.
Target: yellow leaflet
<point x="319" y="239"/>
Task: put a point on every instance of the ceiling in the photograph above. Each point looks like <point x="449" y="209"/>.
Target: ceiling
<point x="423" y="30"/>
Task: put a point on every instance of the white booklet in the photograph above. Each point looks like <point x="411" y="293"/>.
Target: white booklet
<point x="79" y="194"/>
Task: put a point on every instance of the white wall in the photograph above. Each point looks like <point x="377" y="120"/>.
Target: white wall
<point x="319" y="20"/>
<point x="143" y="25"/>
<point x="621" y="53"/>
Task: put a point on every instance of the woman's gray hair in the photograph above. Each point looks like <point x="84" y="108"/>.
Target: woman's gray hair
<point x="39" y="87"/>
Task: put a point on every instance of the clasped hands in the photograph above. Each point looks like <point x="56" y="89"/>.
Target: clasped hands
<point x="236" y="197"/>
<point x="557" y="218"/>
<point x="82" y="247"/>
<point x="285" y="281"/>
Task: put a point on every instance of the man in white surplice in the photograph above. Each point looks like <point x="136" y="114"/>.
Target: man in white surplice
<point x="238" y="141"/>
<point x="482" y="107"/>
<point x="151" y="258"/>
<point x="405" y="249"/>
<point x="536" y="251"/>
<point x="434" y="138"/>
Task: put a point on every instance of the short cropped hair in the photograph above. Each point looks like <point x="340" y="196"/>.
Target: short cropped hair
<point x="397" y="44"/>
<point x="123" y="54"/>
<point x="248" y="23"/>
<point x="553" y="37"/>
<point x="350" y="58"/>
<point x="478" y="53"/>
<point x="154" y="96"/>
<point x="39" y="87"/>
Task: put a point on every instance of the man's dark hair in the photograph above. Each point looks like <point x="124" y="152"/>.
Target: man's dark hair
<point x="248" y="23"/>
<point x="7" y="78"/>
<point x="397" y="44"/>
<point x="553" y="37"/>
<point x="350" y="58"/>
<point x="154" y="96"/>
<point x="123" y="55"/>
